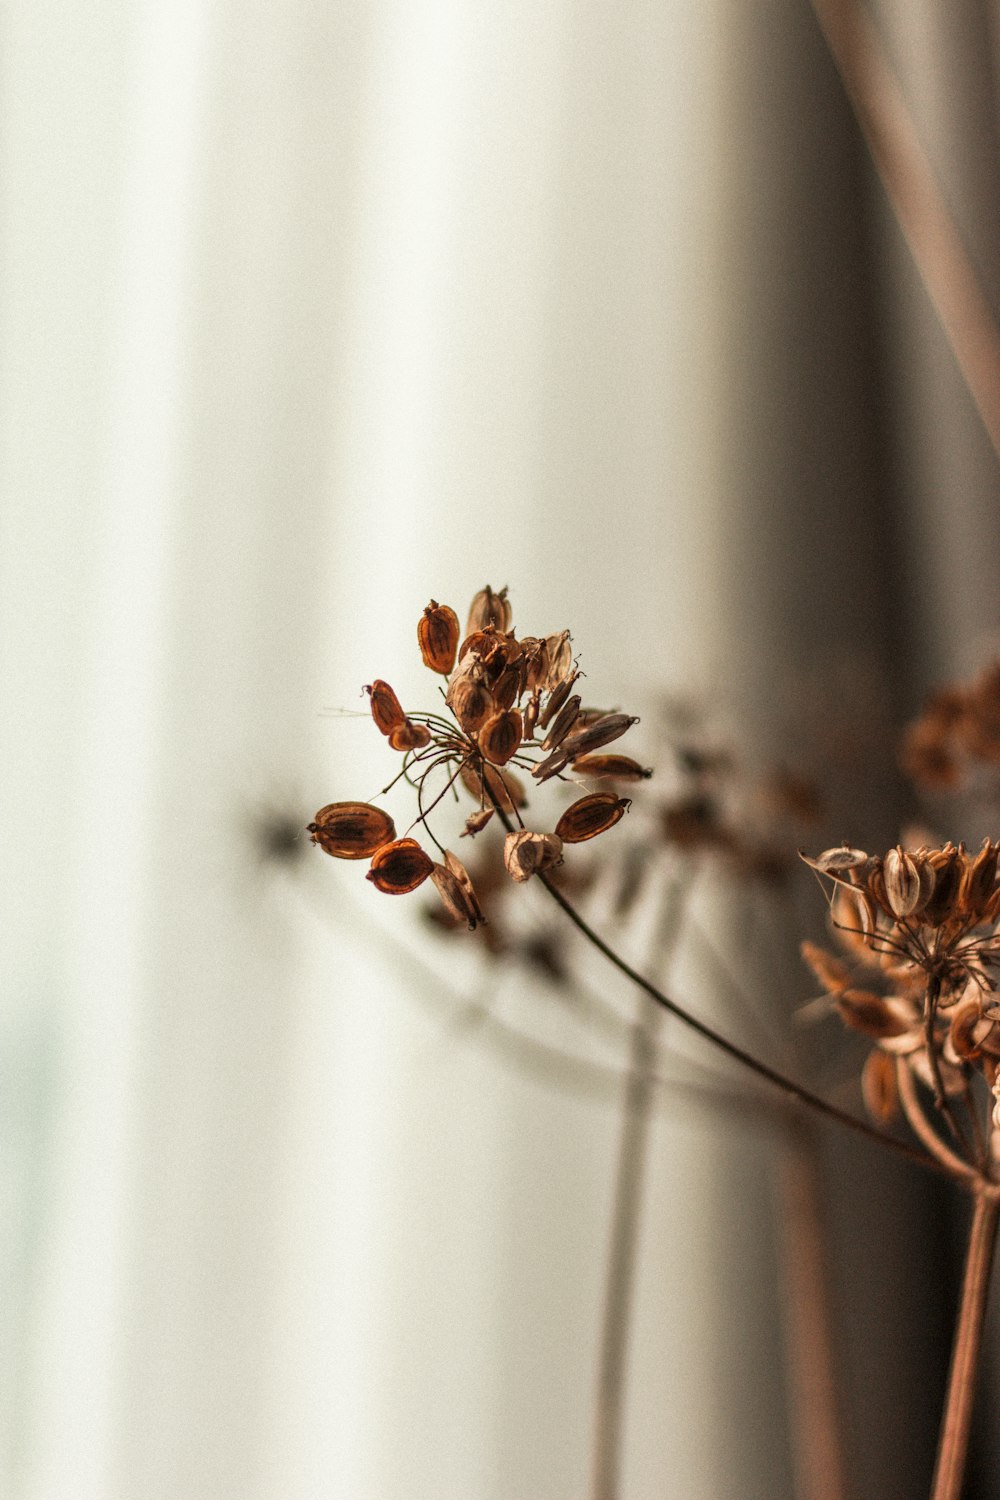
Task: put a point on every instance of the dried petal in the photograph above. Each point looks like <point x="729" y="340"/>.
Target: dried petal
<point x="879" y="1087"/>
<point x="351" y="830"/>
<point x="500" y="737"/>
<point x="410" y="736"/>
<point x="437" y="633"/>
<point x="611" y="768"/>
<point x="595" y="735"/>
<point x="386" y="708"/>
<point x="591" y="815"/>
<point x="526" y="854"/>
<point x="489" y="608"/>
<point x="400" y="867"/>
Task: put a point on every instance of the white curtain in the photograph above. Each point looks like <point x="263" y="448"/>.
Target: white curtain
<point x="312" y="312"/>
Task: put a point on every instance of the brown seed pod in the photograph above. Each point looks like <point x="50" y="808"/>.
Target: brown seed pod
<point x="437" y="634"/>
<point x="526" y="854"/>
<point x="531" y="713"/>
<point x="351" y="830"/>
<point x="879" y="1088"/>
<point x="470" y="700"/>
<point x="507" y="687"/>
<point x="410" y="736"/>
<point x="612" y="768"/>
<point x="535" y="661"/>
<point x="870" y="1013"/>
<point x="833" y="975"/>
<point x="400" y="867"/>
<point x="949" y="867"/>
<point x="557" y="697"/>
<point x="500" y="737"/>
<point x="979" y="880"/>
<point x="489" y="608"/>
<point x="600" y="733"/>
<point x="563" y="722"/>
<point x="456" y="891"/>
<point x="560" y="653"/>
<point x="476" y="822"/>
<point x="591" y="815"/>
<point x="386" y="708"/>
<point x="551" y="765"/>
<point x="904" y="892"/>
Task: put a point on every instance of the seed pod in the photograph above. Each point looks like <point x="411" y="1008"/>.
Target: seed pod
<point x="437" y="634"/>
<point x="831" y="973"/>
<point x="563" y="722"/>
<point x="535" y="661"/>
<point x="865" y="1011"/>
<point x="456" y="891"/>
<point x="526" y="854"/>
<point x="594" y="736"/>
<point x="948" y="867"/>
<point x="351" y="830"/>
<point x="500" y="737"/>
<point x="837" y="862"/>
<point x="470" y="701"/>
<point x="410" y="736"/>
<point x="507" y="788"/>
<point x="901" y="875"/>
<point x="591" y="815"/>
<point x="968" y="1030"/>
<point x="386" y="708"/>
<point x="476" y="822"/>
<point x="489" y="608"/>
<point x="507" y="688"/>
<point x="531" y="713"/>
<point x="560" y="653"/>
<point x="879" y="1088"/>
<point x="400" y="867"/>
<point x="979" y="880"/>
<point x="556" y="699"/>
<point x="611" y="768"/>
<point x="551" y="765"/>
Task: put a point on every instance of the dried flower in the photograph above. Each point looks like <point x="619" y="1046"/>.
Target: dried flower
<point x="500" y="687"/>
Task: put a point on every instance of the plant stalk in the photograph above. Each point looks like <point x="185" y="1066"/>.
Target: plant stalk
<point x="953" y="1443"/>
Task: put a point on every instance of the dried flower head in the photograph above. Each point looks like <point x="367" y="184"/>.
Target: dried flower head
<point x="510" y="704"/>
<point x="921" y="928"/>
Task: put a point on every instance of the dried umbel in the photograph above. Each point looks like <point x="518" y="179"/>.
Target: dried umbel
<point x="510" y="704"/>
<point x="957" y="729"/>
<point x="920" y="927"/>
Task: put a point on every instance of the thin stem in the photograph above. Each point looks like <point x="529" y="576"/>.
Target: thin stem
<point x="910" y="184"/>
<point x="625" y="1217"/>
<point x="954" y="1440"/>
<point x="922" y="1127"/>
<point x="778" y="1080"/>
<point x="941" y="1100"/>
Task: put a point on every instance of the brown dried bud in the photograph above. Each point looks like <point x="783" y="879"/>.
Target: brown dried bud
<point x="386" y="708"/>
<point x="437" y="633"/>
<point x="595" y="735"/>
<point x="456" y="891"/>
<point x="500" y="737"/>
<point x="400" y="867"/>
<point x="611" y="768"/>
<point x="351" y="830"/>
<point x="526" y="854"/>
<point x="562" y="723"/>
<point x="489" y="608"/>
<point x="410" y="736"/>
<point x="879" y="1087"/>
<point x="591" y="815"/>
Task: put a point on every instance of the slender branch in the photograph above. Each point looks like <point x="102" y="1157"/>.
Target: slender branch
<point x="941" y="258"/>
<point x="922" y="1127"/>
<point x="954" y="1440"/>
<point x="941" y="1100"/>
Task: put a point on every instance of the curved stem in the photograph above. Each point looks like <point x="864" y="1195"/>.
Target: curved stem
<point x="922" y="1127"/>
<point x="953" y="1444"/>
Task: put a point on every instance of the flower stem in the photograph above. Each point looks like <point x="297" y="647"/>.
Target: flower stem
<point x="954" y="1440"/>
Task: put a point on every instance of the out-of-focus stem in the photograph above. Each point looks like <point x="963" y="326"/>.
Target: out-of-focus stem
<point x="910" y="184"/>
<point x="819" y="1468"/>
<point x="953" y="1444"/>
<point x="630" y="1172"/>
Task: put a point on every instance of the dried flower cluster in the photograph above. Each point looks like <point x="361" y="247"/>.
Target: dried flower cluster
<point x="958" y="727"/>
<point x="512" y="704"/>
<point x="923" y="925"/>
